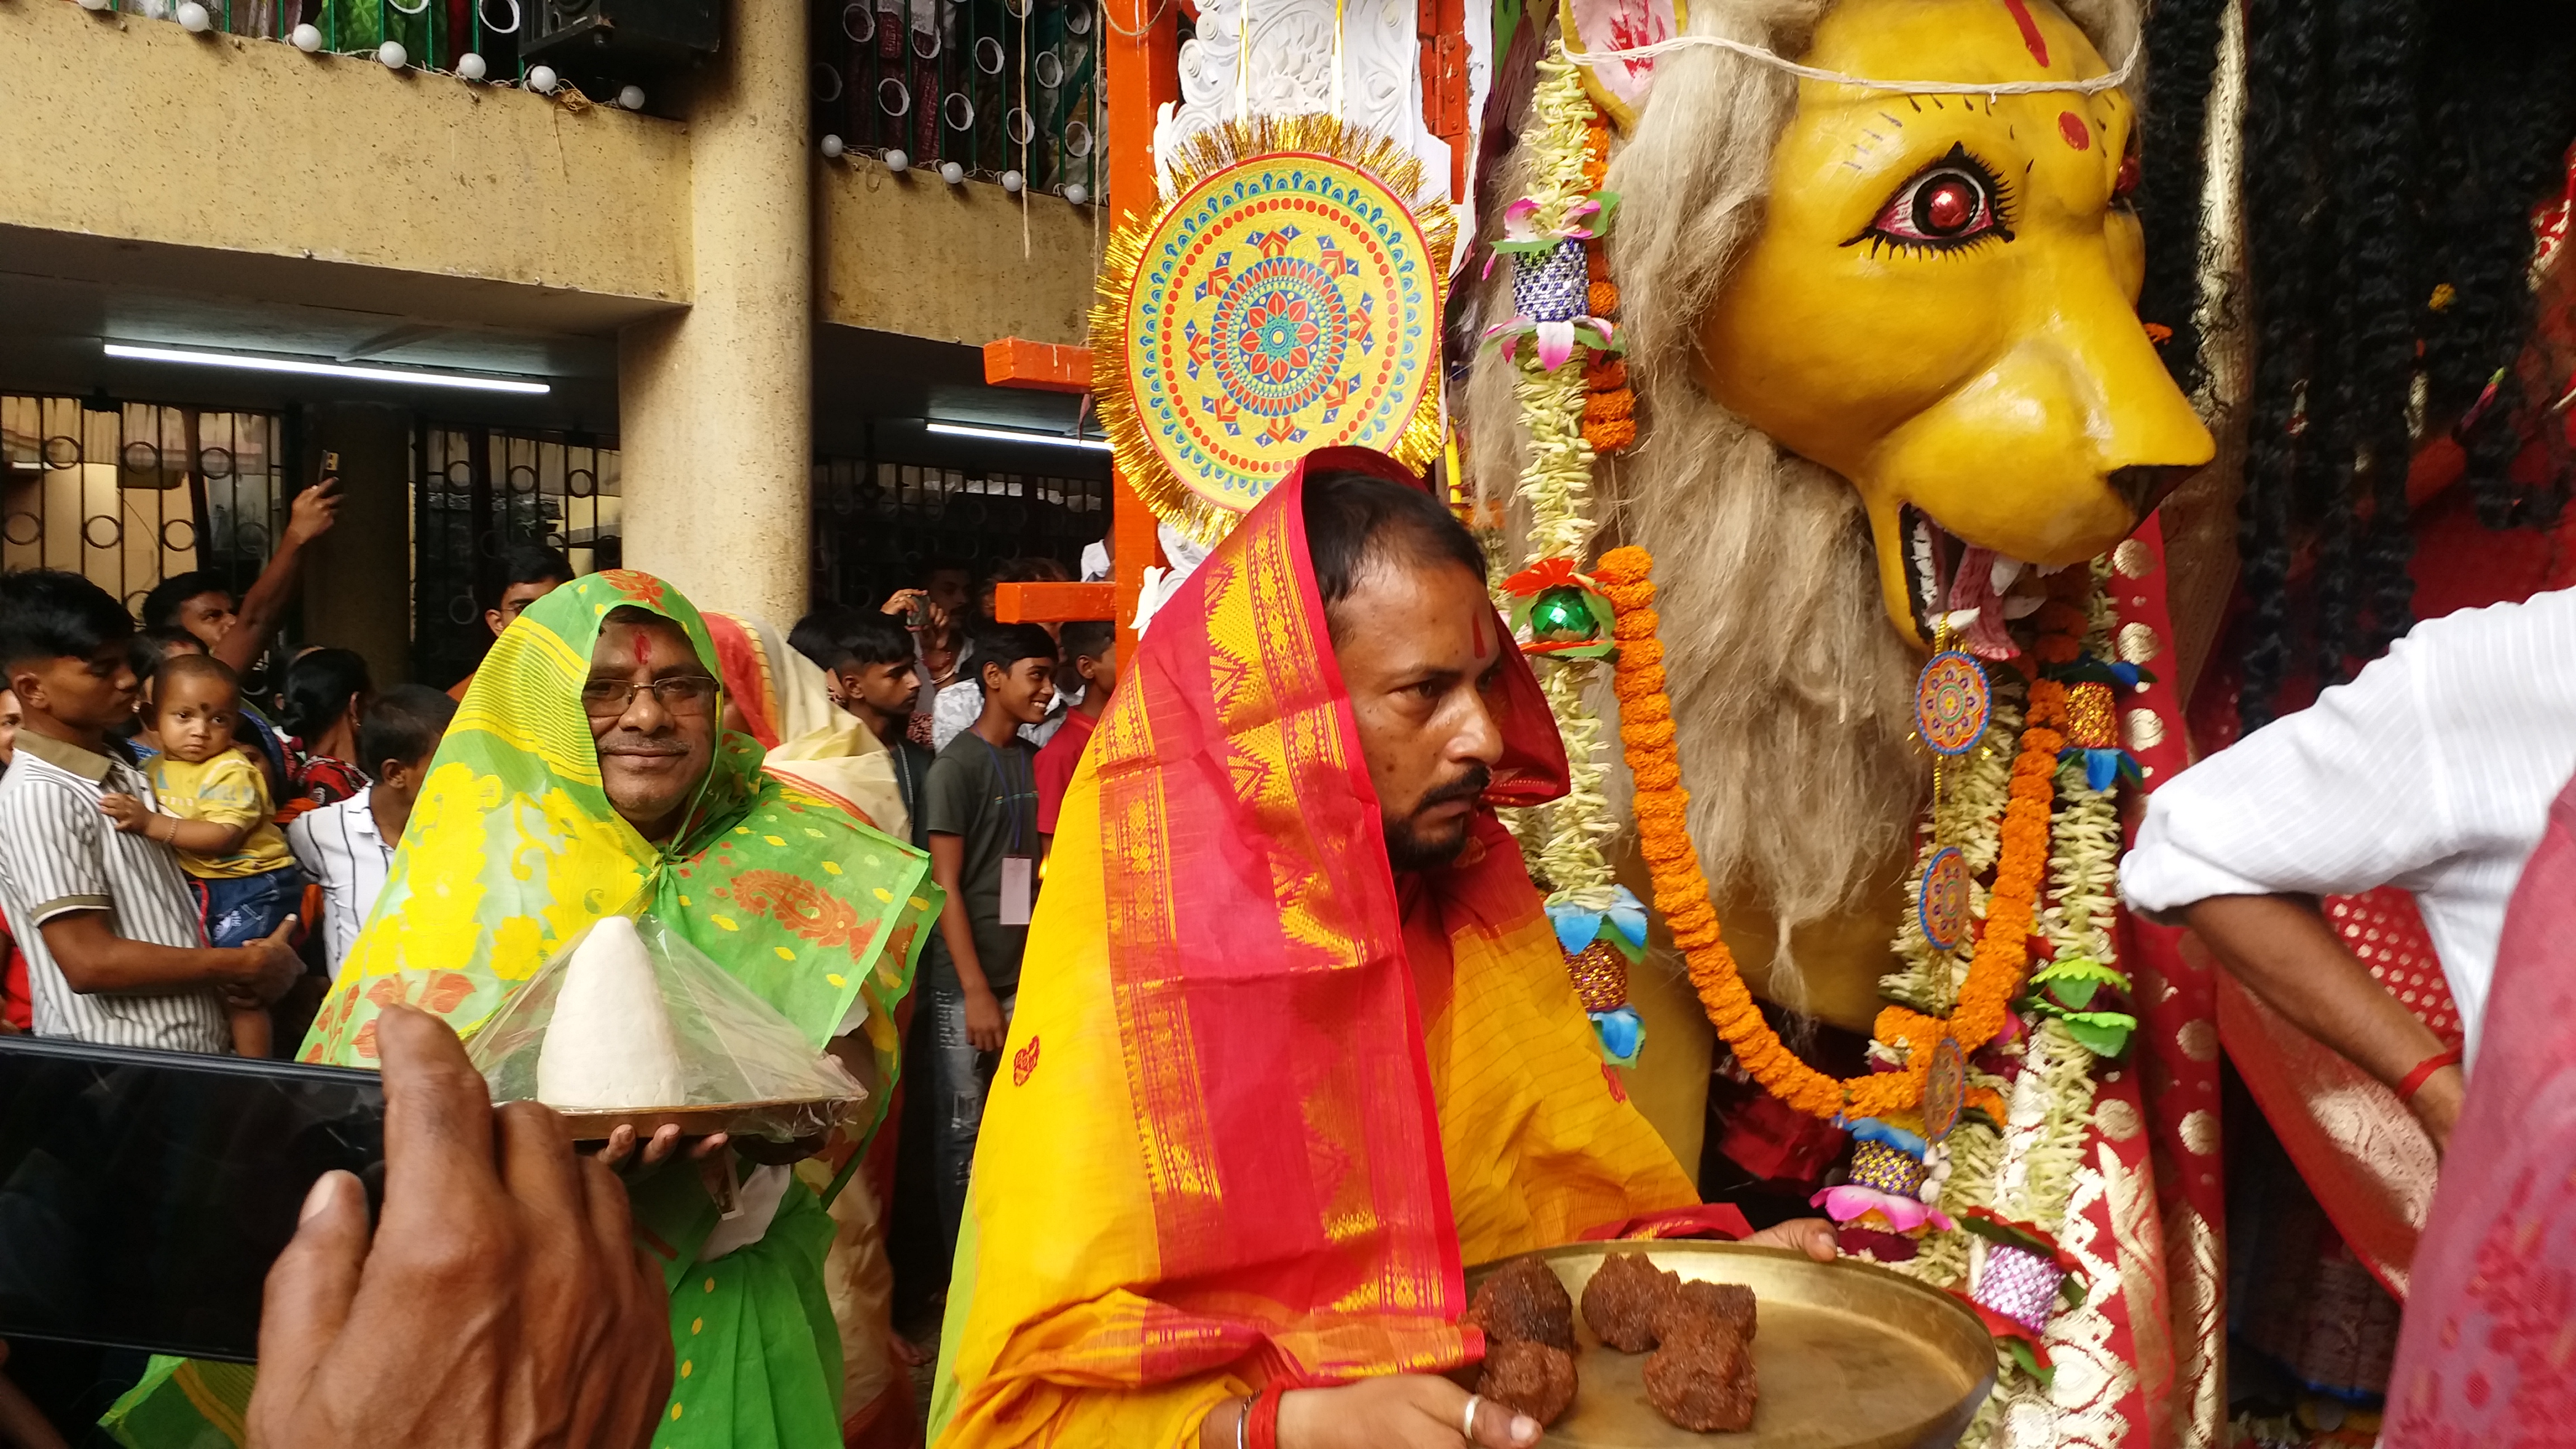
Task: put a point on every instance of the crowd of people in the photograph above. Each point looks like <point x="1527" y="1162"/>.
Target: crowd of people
<point x="1283" y="889"/>
<point x="200" y="826"/>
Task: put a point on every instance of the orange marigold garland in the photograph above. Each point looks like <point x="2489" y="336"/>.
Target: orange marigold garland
<point x="1681" y="890"/>
<point x="1609" y="408"/>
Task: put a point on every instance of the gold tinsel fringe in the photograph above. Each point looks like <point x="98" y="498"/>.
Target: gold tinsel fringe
<point x="1202" y="156"/>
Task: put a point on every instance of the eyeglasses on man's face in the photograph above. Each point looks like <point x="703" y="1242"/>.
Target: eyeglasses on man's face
<point x="686" y="694"/>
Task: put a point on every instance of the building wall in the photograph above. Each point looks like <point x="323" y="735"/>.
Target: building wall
<point x="912" y="254"/>
<point x="252" y="167"/>
<point x="245" y="173"/>
<point x="132" y="131"/>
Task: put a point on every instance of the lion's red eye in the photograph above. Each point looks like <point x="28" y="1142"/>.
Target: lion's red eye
<point x="1954" y="202"/>
<point x="1947" y="206"/>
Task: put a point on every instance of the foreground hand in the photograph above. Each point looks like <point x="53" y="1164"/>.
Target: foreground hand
<point x="1408" y="1411"/>
<point x="1814" y="1237"/>
<point x="658" y="1150"/>
<point x="985" y="1028"/>
<point x="126" y="811"/>
<point x="502" y="1301"/>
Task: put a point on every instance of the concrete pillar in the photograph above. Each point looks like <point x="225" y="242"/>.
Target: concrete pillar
<point x="353" y="576"/>
<point x="716" y="404"/>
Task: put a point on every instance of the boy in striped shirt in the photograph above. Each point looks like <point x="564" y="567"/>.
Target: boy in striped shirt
<point x="115" y="953"/>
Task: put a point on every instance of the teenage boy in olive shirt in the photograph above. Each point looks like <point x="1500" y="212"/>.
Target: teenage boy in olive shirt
<point x="981" y="810"/>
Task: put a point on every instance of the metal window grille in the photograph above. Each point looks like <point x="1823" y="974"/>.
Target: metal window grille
<point x="879" y="526"/>
<point x="993" y="85"/>
<point x="476" y="495"/>
<point x="128" y="493"/>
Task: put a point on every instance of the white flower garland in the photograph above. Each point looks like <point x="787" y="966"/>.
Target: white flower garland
<point x="1556" y="487"/>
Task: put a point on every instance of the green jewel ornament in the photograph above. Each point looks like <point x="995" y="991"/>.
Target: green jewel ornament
<point x="1556" y="612"/>
<point x="1561" y="616"/>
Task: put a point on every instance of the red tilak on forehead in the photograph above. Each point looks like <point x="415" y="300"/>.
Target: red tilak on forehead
<point x="2031" y="39"/>
<point x="643" y="649"/>
<point x="1482" y="648"/>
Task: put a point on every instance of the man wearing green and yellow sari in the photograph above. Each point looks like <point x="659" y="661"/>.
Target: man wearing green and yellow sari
<point x="586" y="772"/>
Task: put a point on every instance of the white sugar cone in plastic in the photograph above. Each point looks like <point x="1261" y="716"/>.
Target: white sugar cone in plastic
<point x="610" y="1045"/>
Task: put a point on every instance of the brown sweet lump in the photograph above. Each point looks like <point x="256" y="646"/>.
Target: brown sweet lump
<point x="1702" y="1377"/>
<point x="1624" y="1300"/>
<point x="1533" y="1378"/>
<point x="1525" y="1300"/>
<point x="1727" y="1303"/>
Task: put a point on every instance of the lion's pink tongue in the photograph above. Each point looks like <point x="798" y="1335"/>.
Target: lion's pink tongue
<point x="1973" y="587"/>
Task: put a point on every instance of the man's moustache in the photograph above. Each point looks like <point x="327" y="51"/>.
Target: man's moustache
<point x="643" y="747"/>
<point x="1469" y="786"/>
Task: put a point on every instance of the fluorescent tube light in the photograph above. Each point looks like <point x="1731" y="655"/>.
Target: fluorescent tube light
<point x="1018" y="435"/>
<point x="253" y="363"/>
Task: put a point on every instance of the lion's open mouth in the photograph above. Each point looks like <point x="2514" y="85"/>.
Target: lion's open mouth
<point x="1970" y="591"/>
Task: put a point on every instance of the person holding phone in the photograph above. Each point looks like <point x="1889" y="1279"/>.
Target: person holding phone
<point x="589" y="773"/>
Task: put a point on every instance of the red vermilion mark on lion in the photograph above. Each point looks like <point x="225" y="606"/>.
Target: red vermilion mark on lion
<point x="2031" y="39"/>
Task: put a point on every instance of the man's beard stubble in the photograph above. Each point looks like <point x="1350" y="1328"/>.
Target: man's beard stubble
<point x="1408" y="849"/>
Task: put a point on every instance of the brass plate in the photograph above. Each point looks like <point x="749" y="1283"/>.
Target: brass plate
<point x="1848" y="1355"/>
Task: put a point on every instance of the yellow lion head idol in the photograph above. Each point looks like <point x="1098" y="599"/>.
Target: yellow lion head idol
<point x="1887" y="357"/>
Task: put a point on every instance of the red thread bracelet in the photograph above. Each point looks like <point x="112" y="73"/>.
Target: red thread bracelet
<point x="2424" y="1071"/>
<point x="1262" y="1427"/>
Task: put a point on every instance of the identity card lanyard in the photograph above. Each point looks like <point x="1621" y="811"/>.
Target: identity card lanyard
<point x="1020" y="867"/>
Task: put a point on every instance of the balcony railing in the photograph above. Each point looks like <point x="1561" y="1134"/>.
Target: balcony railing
<point x="432" y="34"/>
<point x="1001" y="90"/>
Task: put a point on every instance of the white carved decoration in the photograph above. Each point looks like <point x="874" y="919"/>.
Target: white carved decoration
<point x="1291" y="73"/>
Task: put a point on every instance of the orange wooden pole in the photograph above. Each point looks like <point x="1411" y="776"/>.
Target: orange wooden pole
<point x="1053" y="603"/>
<point x="1140" y="71"/>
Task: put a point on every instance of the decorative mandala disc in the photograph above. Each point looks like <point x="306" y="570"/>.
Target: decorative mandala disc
<point x="1952" y="702"/>
<point x="1941" y="904"/>
<point x="1944" y="1089"/>
<point x="1288" y="301"/>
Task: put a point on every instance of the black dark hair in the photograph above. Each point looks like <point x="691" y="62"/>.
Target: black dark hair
<point x="145" y="651"/>
<point x="161" y="606"/>
<point x="319" y="685"/>
<point x="1003" y="646"/>
<point x="1353" y="519"/>
<point x="403" y="723"/>
<point x="48" y="613"/>
<point x="2182" y="51"/>
<point x="202" y="666"/>
<point x="528" y="563"/>
<point x="950" y="566"/>
<point x="2394" y="150"/>
<point x="1088" y="638"/>
<point x="818" y="635"/>
<point x="873" y="638"/>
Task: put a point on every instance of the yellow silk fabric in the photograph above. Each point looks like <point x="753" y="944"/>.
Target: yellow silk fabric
<point x="1053" y="1320"/>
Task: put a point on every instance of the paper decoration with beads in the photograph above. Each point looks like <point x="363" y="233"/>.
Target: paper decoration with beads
<point x="1287" y="299"/>
<point x="1953" y="702"/>
<point x="1945" y="1087"/>
<point x="1941" y="901"/>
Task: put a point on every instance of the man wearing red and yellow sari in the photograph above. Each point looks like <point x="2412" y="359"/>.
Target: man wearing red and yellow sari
<point x="1295" y="1044"/>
